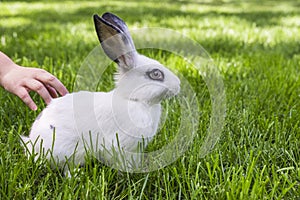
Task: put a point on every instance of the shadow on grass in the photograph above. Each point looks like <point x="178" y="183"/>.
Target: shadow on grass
<point x="138" y="12"/>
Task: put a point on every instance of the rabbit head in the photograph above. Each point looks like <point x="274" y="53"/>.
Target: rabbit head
<point x="139" y="78"/>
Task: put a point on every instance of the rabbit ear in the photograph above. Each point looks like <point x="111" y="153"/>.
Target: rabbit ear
<point x="115" y="40"/>
<point x="116" y="21"/>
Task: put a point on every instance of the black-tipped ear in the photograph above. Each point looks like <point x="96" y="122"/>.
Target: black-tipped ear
<point x="115" y="39"/>
<point x="116" y="21"/>
<point x="104" y="29"/>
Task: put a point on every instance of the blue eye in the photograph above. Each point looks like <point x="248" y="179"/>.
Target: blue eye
<point x="156" y="74"/>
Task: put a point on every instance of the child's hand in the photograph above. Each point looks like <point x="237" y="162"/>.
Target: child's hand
<point x="20" y="80"/>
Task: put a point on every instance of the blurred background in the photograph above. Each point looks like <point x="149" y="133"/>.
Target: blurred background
<point x="254" y="44"/>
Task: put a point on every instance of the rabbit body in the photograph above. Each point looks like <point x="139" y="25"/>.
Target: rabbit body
<point x="98" y="122"/>
<point x="59" y="130"/>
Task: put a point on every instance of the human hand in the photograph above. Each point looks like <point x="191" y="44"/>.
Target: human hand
<point x="21" y="80"/>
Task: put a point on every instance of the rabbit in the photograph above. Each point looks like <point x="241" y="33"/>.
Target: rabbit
<point x="97" y="123"/>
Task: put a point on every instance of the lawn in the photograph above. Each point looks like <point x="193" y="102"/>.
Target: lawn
<point x="254" y="44"/>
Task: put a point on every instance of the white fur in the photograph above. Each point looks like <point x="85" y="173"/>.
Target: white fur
<point x="91" y="121"/>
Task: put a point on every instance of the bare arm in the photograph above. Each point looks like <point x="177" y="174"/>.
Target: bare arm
<point x="20" y="80"/>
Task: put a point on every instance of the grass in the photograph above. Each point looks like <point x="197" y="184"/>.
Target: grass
<point x="256" y="46"/>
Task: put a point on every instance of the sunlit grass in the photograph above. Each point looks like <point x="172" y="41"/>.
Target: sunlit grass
<point x="256" y="46"/>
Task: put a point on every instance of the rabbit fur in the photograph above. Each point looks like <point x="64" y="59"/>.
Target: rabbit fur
<point x="100" y="121"/>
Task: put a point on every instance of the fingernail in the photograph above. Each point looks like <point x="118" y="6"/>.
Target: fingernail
<point x="34" y="108"/>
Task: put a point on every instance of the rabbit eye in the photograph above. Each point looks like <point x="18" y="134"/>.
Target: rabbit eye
<point x="156" y="74"/>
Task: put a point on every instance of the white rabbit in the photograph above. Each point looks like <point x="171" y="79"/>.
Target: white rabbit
<point x="98" y="122"/>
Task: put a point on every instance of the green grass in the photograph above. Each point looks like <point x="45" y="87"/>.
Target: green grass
<point x="256" y="46"/>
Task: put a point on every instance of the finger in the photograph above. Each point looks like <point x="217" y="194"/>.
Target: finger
<point x="40" y="88"/>
<point x="52" y="91"/>
<point x="49" y="79"/>
<point x="23" y="94"/>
